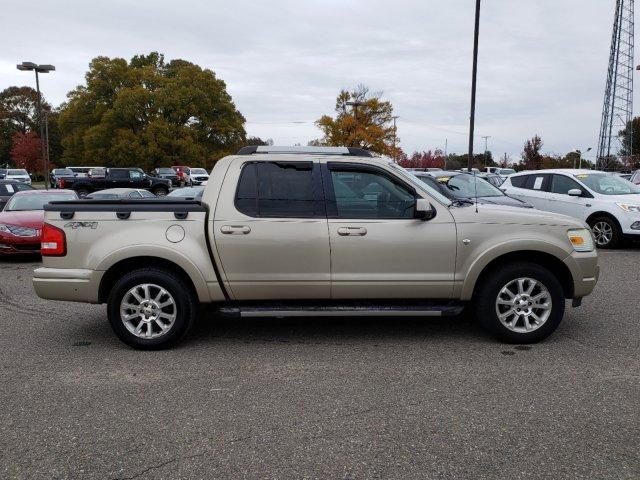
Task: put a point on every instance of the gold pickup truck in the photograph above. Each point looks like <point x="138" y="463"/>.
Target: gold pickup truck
<point x="306" y="231"/>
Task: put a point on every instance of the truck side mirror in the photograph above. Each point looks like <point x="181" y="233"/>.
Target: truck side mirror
<point x="575" y="192"/>
<point x="424" y="210"/>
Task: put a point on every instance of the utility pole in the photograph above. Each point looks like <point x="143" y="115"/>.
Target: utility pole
<point x="395" y="135"/>
<point x="474" y="76"/>
<point x="446" y="140"/>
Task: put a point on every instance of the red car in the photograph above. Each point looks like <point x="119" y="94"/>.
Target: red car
<point x="182" y="172"/>
<point x="22" y="219"/>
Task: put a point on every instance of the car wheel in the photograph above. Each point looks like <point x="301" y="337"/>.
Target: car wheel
<point x="82" y="192"/>
<point x="151" y="309"/>
<point x="160" y="192"/>
<point x="520" y="302"/>
<point x="606" y="232"/>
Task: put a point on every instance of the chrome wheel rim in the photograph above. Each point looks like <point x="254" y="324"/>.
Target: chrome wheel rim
<point x="523" y="305"/>
<point x="148" y="311"/>
<point x="603" y="233"/>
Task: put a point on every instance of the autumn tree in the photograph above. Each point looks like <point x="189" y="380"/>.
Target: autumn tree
<point x="531" y="155"/>
<point x="149" y="113"/>
<point x="26" y="151"/>
<point x="426" y="159"/>
<point x="18" y="113"/>
<point x="363" y="119"/>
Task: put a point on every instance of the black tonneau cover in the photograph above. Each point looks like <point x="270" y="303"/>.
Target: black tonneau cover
<point x="126" y="205"/>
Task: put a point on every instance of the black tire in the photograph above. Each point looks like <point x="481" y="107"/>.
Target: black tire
<point x="597" y="225"/>
<point x="160" y="192"/>
<point x="486" y="297"/>
<point x="185" y="301"/>
<point x="82" y="192"/>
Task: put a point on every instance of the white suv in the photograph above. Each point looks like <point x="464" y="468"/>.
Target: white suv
<point x="197" y="176"/>
<point x="18" y="174"/>
<point x="608" y="203"/>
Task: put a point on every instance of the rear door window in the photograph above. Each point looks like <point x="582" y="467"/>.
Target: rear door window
<point x="279" y="190"/>
<point x="537" y="182"/>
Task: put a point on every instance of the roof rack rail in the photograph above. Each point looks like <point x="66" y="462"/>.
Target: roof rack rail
<point x="346" y="151"/>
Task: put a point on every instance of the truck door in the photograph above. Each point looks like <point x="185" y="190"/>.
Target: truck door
<point x="270" y="231"/>
<point x="378" y="248"/>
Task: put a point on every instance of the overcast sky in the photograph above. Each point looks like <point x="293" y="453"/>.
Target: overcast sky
<point x="542" y="63"/>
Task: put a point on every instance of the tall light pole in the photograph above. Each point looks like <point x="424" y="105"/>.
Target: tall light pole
<point x="579" y="152"/>
<point x="474" y="76"/>
<point x="28" y="66"/>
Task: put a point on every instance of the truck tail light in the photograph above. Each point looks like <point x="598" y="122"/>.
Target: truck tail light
<point x="53" y="241"/>
<point x="61" y="183"/>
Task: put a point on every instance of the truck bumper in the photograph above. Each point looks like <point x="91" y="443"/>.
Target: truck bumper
<point x="68" y="284"/>
<point x="585" y="272"/>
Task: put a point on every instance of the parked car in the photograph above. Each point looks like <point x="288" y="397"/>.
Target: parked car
<point x="9" y="187"/>
<point x="168" y="174"/>
<point x="465" y="186"/>
<point x="122" y="178"/>
<point x="314" y="231"/>
<point x="97" y="172"/>
<point x="58" y="173"/>
<point x="80" y="172"/>
<point x="610" y="205"/>
<point x="18" y="174"/>
<point x="22" y="219"/>
<point x="197" y="176"/>
<point x="493" y="178"/>
<point x="187" y="192"/>
<point x="183" y="173"/>
<point x="120" y="193"/>
<point x="503" y="172"/>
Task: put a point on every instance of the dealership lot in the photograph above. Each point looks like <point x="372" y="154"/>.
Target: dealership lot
<point x="319" y="398"/>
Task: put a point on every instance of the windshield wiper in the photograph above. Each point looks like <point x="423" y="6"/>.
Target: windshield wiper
<point x="462" y="201"/>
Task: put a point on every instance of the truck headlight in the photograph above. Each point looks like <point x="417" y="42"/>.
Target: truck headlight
<point x="629" y="208"/>
<point x="581" y="240"/>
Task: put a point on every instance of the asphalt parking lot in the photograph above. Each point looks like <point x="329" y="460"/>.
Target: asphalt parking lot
<point x="352" y="398"/>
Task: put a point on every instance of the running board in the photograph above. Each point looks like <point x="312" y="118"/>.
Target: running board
<point x="355" y="309"/>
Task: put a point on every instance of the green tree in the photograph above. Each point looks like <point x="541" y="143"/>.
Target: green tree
<point x="368" y="124"/>
<point x="149" y="113"/>
<point x="631" y="145"/>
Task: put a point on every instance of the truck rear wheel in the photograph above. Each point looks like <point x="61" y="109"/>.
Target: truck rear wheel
<point x="160" y="192"/>
<point x="520" y="302"/>
<point x="151" y="308"/>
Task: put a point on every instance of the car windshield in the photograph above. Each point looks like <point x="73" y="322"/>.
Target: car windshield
<point x="17" y="172"/>
<point x="167" y="171"/>
<point x="62" y="171"/>
<point x="607" y="184"/>
<point x="465" y="185"/>
<point x="415" y="181"/>
<point x="187" y="192"/>
<point x="506" y="171"/>
<point x="103" y="196"/>
<point x="21" y="203"/>
<point x="199" y="171"/>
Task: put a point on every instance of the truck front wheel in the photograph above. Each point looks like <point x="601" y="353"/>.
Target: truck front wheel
<point x="151" y="308"/>
<point x="520" y="302"/>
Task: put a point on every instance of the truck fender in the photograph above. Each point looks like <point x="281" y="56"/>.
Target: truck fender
<point x="165" y="253"/>
<point x="473" y="272"/>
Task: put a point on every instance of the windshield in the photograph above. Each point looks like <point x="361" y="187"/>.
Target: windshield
<point x="63" y="171"/>
<point x="468" y="186"/>
<point x="199" y="171"/>
<point x="415" y="181"/>
<point x="17" y="172"/>
<point x="607" y="184"/>
<point x="167" y="171"/>
<point x="506" y="171"/>
<point x="103" y="196"/>
<point x="187" y="192"/>
<point x="36" y="201"/>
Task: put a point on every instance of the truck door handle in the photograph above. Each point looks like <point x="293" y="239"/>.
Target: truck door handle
<point x="352" y="231"/>
<point x="235" y="229"/>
